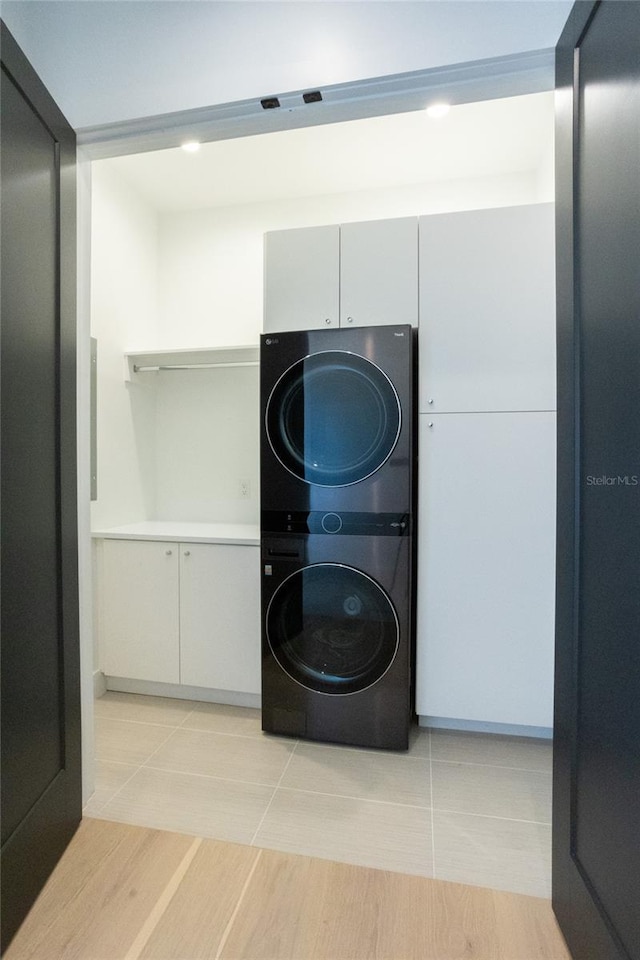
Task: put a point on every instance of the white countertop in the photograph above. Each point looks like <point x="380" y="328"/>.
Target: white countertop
<point x="238" y="533"/>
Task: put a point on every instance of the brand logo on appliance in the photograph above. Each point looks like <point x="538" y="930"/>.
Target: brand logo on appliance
<point x="271" y="340"/>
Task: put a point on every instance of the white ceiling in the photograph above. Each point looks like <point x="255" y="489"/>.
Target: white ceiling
<point x="510" y="135"/>
<point x="107" y="61"/>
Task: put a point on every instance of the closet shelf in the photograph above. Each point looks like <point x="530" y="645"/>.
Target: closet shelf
<point x="139" y="362"/>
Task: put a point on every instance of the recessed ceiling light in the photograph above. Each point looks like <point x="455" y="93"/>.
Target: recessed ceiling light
<point x="191" y="146"/>
<point x="438" y="110"/>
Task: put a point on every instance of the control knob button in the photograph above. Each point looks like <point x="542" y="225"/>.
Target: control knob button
<point x="332" y="523"/>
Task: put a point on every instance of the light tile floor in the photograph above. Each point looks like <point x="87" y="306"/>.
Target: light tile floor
<point x="471" y="808"/>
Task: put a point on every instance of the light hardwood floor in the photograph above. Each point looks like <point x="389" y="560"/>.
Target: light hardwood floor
<point x="123" y="892"/>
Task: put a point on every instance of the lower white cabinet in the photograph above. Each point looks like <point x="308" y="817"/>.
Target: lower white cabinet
<point x="220" y="617"/>
<point x="486" y="567"/>
<point x="180" y="613"/>
<point x="139" y="610"/>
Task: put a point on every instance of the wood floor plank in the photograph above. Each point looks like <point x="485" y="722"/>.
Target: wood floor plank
<point x="196" y="919"/>
<point x="300" y="908"/>
<point x="100" y="894"/>
<point x="122" y="890"/>
<point x="528" y="928"/>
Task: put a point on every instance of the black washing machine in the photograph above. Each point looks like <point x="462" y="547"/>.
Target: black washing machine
<point x="337" y="632"/>
<point x="337" y="420"/>
<point x="337" y="516"/>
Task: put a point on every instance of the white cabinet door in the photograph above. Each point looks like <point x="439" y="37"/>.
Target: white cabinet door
<point x="301" y="279"/>
<point x="487" y="310"/>
<point x="220" y="616"/>
<point x="379" y="272"/>
<point x="139" y="610"/>
<point x="486" y="567"/>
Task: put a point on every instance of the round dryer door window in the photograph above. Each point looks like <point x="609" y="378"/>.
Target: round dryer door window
<point x="333" y="418"/>
<point x="332" y="629"/>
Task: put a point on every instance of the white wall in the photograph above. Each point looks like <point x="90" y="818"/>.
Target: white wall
<point x="109" y="61"/>
<point x="124" y="310"/>
<point x="172" y="445"/>
<point x="208" y="437"/>
<point x="546" y="175"/>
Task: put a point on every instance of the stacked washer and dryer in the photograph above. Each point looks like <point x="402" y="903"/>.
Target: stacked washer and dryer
<point x="337" y="534"/>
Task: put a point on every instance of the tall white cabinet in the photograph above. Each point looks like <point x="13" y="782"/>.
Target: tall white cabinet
<point x="486" y="555"/>
<point x="356" y="274"/>
<point x="486" y="567"/>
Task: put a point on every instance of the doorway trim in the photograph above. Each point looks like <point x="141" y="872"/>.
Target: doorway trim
<point x="490" y="79"/>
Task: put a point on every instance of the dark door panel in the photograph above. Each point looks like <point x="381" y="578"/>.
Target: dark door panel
<point x="31" y="729"/>
<point x="41" y="784"/>
<point x="597" y="769"/>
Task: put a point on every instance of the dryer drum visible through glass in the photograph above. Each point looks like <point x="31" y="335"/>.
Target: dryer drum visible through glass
<point x="332" y="629"/>
<point x="333" y="418"/>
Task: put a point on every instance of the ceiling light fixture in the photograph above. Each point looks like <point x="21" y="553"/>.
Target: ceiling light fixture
<point x="191" y="146"/>
<point x="438" y="110"/>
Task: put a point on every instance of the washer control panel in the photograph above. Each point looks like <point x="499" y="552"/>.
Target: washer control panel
<point x="346" y="523"/>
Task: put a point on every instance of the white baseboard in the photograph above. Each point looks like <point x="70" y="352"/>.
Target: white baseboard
<point x="99" y="684"/>
<point x="480" y="726"/>
<point x="179" y="691"/>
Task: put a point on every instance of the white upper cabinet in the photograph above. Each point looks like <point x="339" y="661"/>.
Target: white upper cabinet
<point x="379" y="272"/>
<point x="302" y="279"/>
<point x="357" y="274"/>
<point x="487" y="310"/>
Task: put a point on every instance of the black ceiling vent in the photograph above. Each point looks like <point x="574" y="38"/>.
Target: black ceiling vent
<point x="270" y="103"/>
<point x="313" y="97"/>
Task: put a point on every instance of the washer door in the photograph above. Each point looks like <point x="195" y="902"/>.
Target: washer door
<point x="332" y="629"/>
<point x="333" y="418"/>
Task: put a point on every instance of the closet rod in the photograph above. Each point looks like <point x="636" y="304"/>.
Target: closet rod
<point x="194" y="366"/>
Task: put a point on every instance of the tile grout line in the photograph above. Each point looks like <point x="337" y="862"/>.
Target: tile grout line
<point x="492" y="816"/>
<point x="146" y="723"/>
<point x="159" y="747"/>
<point x="191" y="712"/>
<point x="114" y="794"/>
<point x="181" y="726"/>
<point x="163" y="901"/>
<point x="138" y="768"/>
<point x="232" y="918"/>
<point x="494" y="766"/>
<point x="211" y="776"/>
<point x="350" y="796"/>
<point x="275" y="790"/>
